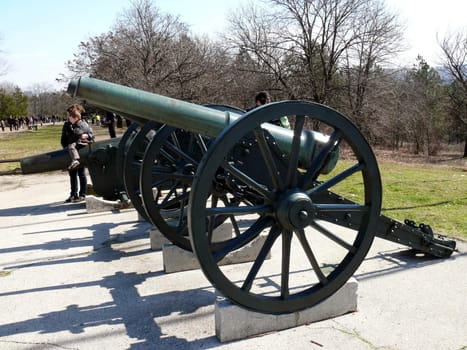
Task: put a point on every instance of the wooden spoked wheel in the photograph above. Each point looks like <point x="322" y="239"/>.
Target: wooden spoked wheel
<point x="301" y="259"/>
<point x="133" y="162"/>
<point x="122" y="150"/>
<point x="169" y="165"/>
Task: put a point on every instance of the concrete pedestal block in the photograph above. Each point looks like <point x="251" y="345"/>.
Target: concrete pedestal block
<point x="97" y="204"/>
<point x="158" y="240"/>
<point x="141" y="218"/>
<point x="176" y="259"/>
<point x="233" y="322"/>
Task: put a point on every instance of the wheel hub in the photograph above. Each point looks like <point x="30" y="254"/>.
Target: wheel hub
<point x="295" y="210"/>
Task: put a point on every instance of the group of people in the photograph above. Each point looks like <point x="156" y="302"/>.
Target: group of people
<point x="77" y="133"/>
<point x="15" y="123"/>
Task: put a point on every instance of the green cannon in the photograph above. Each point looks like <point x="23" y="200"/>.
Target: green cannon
<point x="310" y="195"/>
<point x="99" y="157"/>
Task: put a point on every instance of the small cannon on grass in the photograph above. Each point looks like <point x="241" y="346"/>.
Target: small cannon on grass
<point x="314" y="191"/>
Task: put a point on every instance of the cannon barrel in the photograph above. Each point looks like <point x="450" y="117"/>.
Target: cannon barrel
<point x="184" y="115"/>
<point x="60" y="159"/>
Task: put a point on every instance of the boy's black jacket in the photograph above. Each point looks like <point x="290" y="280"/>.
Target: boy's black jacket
<point x="71" y="132"/>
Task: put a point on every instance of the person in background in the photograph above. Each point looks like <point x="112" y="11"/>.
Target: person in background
<point x="77" y="174"/>
<point x="263" y="98"/>
<point x="110" y="122"/>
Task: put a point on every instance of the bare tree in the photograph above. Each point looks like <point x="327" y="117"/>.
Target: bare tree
<point x="134" y="53"/>
<point x="256" y="38"/>
<point x="304" y="43"/>
<point x="379" y="34"/>
<point x="320" y="32"/>
<point x="149" y="50"/>
<point x="454" y="48"/>
<point x="147" y="36"/>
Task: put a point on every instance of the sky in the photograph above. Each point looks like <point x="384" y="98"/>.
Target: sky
<point x="38" y="37"/>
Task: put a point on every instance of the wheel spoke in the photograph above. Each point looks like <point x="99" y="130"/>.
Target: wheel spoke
<point x="250" y="234"/>
<point x="340" y="207"/>
<point x="182" y="207"/>
<point x="201" y="143"/>
<point x="235" y="227"/>
<point x="311" y="257"/>
<point x="211" y="218"/>
<point x="166" y="155"/>
<point x="179" y="152"/>
<point x="136" y="164"/>
<point x="274" y="232"/>
<point x="181" y="178"/>
<point x="335" y="180"/>
<point x="265" y="150"/>
<point x="252" y="209"/>
<point x="168" y="204"/>
<point x="320" y="159"/>
<point x="261" y="189"/>
<point x="156" y="193"/>
<point x="291" y="179"/>
<point x="334" y="238"/>
<point x="172" y="198"/>
<point x="285" y="271"/>
<point x="174" y="138"/>
<point x="158" y="184"/>
<point x="161" y="170"/>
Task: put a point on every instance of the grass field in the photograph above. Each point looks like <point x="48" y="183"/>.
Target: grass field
<point x="433" y="194"/>
<point x="27" y="143"/>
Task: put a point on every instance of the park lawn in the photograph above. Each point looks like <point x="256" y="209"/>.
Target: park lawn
<point x="430" y="194"/>
<point x="424" y="193"/>
<point x="434" y="195"/>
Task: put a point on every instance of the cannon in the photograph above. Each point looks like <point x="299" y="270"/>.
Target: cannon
<point x="313" y="193"/>
<point x="99" y="157"/>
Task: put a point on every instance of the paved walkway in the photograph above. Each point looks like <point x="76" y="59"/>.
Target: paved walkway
<point x="72" y="280"/>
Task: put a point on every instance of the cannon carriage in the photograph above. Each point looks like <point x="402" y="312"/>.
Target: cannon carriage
<point x="190" y="169"/>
